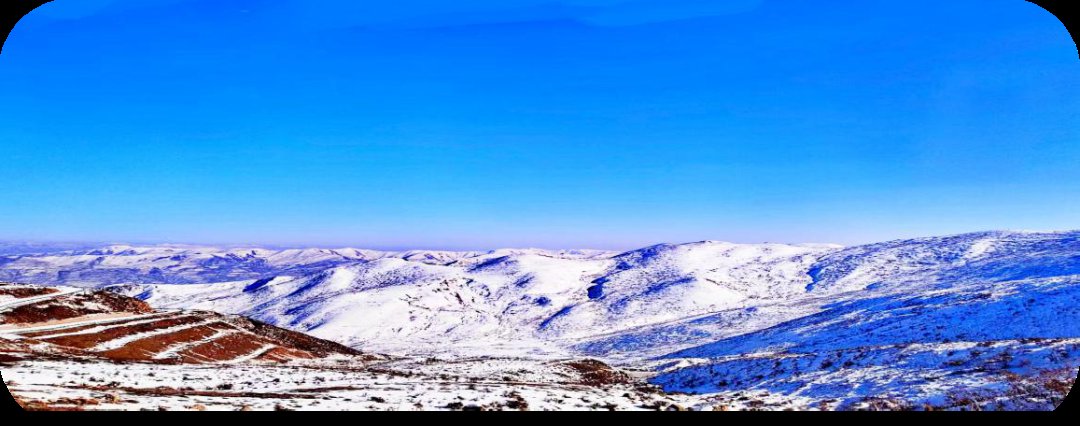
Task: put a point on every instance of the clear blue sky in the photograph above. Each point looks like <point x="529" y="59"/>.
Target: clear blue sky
<point x="544" y="123"/>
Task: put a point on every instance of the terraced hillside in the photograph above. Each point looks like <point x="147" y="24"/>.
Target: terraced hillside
<point x="98" y="324"/>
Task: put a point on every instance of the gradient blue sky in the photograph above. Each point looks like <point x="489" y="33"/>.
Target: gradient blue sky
<point x="546" y="123"/>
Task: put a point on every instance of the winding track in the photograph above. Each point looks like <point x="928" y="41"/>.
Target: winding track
<point x="12" y="304"/>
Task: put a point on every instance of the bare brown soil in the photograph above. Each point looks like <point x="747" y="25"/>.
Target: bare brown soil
<point x="249" y="337"/>
<point x="62" y="404"/>
<point x="25" y="292"/>
<point x="280" y="354"/>
<point x="75" y="329"/>
<point x="146" y="349"/>
<point x="596" y="373"/>
<point x="292" y="339"/>
<point x="73" y="306"/>
<point x="86" y="341"/>
<point x="226" y="348"/>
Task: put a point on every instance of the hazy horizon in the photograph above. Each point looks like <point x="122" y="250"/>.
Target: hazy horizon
<point x="331" y="246"/>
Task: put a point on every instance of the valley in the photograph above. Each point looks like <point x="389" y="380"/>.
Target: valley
<point x="973" y="321"/>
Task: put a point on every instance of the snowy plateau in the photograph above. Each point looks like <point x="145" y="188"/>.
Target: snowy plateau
<point x="979" y="321"/>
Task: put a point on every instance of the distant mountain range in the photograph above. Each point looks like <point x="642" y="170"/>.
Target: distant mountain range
<point x="917" y="320"/>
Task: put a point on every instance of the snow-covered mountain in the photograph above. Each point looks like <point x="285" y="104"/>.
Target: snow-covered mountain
<point x="898" y="319"/>
<point x="175" y="264"/>
<point x="533" y="299"/>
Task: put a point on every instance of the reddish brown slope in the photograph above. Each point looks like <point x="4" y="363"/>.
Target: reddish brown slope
<point x="107" y="325"/>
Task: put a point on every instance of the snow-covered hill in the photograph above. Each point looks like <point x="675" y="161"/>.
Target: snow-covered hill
<point x="909" y="319"/>
<point x="989" y="320"/>
<point x="173" y="264"/>
<point x="520" y="300"/>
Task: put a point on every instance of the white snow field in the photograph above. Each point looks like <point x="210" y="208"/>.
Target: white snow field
<point x="398" y="385"/>
<point x="985" y="320"/>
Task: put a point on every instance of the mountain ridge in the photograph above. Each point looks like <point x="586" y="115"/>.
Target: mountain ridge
<point x="905" y="318"/>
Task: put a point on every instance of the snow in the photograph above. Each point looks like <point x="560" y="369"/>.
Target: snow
<point x="173" y="350"/>
<point x="9" y="304"/>
<point x="399" y="385"/>
<point x="104" y="323"/>
<point x="513" y="299"/>
<point x="919" y="320"/>
<point x="177" y="264"/>
<point x="123" y="341"/>
<point x="254" y="354"/>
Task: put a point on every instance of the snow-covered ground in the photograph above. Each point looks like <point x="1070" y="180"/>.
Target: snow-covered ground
<point x="920" y="321"/>
<point x="465" y="384"/>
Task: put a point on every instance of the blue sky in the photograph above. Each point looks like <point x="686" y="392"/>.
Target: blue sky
<point x="577" y="123"/>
